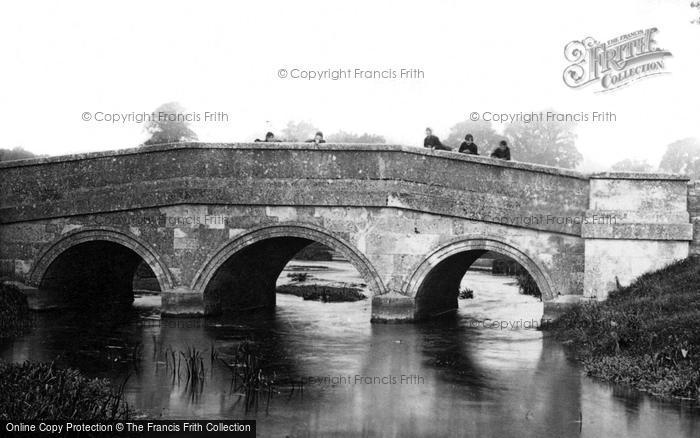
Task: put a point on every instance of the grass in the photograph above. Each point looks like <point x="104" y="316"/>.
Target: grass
<point x="15" y="318"/>
<point x="42" y="391"/>
<point x="646" y="335"/>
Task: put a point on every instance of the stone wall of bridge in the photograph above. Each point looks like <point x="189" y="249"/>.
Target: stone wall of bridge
<point x="186" y="245"/>
<point x="694" y="210"/>
<point x="642" y="224"/>
<point x="210" y="218"/>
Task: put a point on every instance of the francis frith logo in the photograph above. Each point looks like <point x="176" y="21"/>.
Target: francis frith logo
<point x="614" y="63"/>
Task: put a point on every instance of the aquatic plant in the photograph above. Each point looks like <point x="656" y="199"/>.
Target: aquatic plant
<point x="298" y="276"/>
<point x="248" y="379"/>
<point x="185" y="366"/>
<point x="466" y="294"/>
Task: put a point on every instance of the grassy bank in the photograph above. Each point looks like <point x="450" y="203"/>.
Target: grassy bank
<point x="42" y="391"/>
<point x="323" y="292"/>
<point x="15" y="317"/>
<point x="646" y="335"/>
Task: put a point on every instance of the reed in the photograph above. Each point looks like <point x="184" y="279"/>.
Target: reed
<point x="248" y="379"/>
<point x="42" y="391"/>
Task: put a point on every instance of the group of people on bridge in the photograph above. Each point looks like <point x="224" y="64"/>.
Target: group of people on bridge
<point x="431" y="141"/>
<point x="270" y="138"/>
<point x="467" y="147"/>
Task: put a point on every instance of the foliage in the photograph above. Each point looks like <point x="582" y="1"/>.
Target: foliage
<point x="682" y="156"/>
<point x="16" y="153"/>
<point x="646" y="335"/>
<point x="41" y="391"/>
<point x="169" y="125"/>
<point x="15" y="317"/>
<point x="552" y="143"/>
<point x="298" y="131"/>
<point x="696" y="5"/>
<point x="485" y="137"/>
<point x="349" y="137"/>
<point x="527" y="284"/>
<point x="632" y="165"/>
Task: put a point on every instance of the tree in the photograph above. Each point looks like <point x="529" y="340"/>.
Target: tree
<point x="696" y="5"/>
<point x="682" y="156"/>
<point x="632" y="165"/>
<point x="485" y="137"/>
<point x="349" y="137"/>
<point x="552" y="143"/>
<point x="170" y="124"/>
<point x="16" y="153"/>
<point x="298" y="131"/>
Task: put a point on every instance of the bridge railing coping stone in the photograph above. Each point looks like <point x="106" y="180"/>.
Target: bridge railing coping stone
<point x="450" y="155"/>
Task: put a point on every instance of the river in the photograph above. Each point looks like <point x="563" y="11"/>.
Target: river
<point x="485" y="372"/>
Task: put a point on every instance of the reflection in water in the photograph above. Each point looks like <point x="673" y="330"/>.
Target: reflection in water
<point x="461" y="376"/>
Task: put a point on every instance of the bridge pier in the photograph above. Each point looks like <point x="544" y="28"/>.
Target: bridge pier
<point x="393" y="308"/>
<point x="397" y="308"/>
<point x="182" y="302"/>
<point x="40" y="299"/>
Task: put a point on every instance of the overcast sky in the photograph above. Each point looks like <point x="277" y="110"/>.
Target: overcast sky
<point x="60" y="60"/>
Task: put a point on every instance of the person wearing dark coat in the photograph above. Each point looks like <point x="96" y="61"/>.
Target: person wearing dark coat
<point x="432" y="141"/>
<point x="502" y="151"/>
<point x="318" y="138"/>
<point x="468" y="146"/>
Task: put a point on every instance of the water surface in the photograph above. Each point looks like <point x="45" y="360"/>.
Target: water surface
<point x="464" y="376"/>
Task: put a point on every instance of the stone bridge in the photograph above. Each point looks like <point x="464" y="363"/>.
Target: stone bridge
<point x="216" y="223"/>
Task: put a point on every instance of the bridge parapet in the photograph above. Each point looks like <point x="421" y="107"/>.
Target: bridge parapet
<point x="451" y="184"/>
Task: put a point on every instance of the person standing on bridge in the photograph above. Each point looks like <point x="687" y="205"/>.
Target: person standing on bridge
<point x="432" y="141"/>
<point x="318" y="138"/>
<point x="502" y="151"/>
<point x="468" y="147"/>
